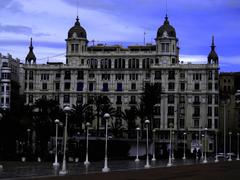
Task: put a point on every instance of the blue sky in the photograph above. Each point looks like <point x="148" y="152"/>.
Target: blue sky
<point x="123" y="22"/>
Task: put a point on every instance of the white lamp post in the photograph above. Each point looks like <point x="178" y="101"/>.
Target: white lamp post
<point x="137" y="129"/>
<point x="1" y="116"/>
<point x="154" y="158"/>
<point x="86" y="161"/>
<point x="147" y="165"/>
<point x="169" y="164"/>
<point x="205" y="146"/>
<point x="56" y="144"/>
<point x="67" y="109"/>
<point x="237" y="147"/>
<point x="184" y="146"/>
<point x="173" y="158"/>
<point x="230" y="145"/>
<point x="216" y="141"/>
<point x="106" y="169"/>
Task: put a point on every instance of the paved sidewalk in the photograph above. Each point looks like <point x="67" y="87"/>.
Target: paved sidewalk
<point x="212" y="171"/>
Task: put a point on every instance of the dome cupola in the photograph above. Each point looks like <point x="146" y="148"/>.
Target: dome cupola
<point x="77" y="31"/>
<point x="166" y="28"/>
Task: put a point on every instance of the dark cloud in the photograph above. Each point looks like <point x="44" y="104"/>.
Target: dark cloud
<point x="16" y="29"/>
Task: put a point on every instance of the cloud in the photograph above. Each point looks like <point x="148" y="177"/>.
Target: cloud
<point x="16" y="29"/>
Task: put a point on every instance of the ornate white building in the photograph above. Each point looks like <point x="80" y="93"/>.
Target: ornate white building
<point x="190" y="91"/>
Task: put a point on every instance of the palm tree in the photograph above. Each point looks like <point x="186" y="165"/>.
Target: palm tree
<point x="99" y="102"/>
<point x="130" y="115"/>
<point x="149" y="99"/>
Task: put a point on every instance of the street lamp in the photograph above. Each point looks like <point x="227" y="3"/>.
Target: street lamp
<point x="147" y="165"/>
<point x="153" y="158"/>
<point x="173" y="158"/>
<point x="202" y="145"/>
<point x="237" y="147"/>
<point x="184" y="146"/>
<point x="67" y="110"/>
<point x="137" y="129"/>
<point x="216" y="158"/>
<point x="56" y="144"/>
<point x="28" y="137"/>
<point x="106" y="169"/>
<point x="196" y="146"/>
<point x="230" y="157"/>
<point x="169" y="164"/>
<point x="86" y="161"/>
<point x="205" y="146"/>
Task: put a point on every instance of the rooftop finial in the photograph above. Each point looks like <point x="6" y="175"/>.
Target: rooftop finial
<point x="31" y="46"/>
<point x="213" y="44"/>
<point x="77" y="23"/>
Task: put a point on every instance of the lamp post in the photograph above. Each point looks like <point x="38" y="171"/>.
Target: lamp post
<point x="237" y="147"/>
<point x="196" y="146"/>
<point x="67" y="110"/>
<point x="202" y="146"/>
<point x="154" y="158"/>
<point x="28" y="137"/>
<point x="230" y="145"/>
<point x="106" y="169"/>
<point x="1" y="116"/>
<point x="56" y="144"/>
<point x="86" y="161"/>
<point x="137" y="129"/>
<point x="147" y="165"/>
<point x="173" y="158"/>
<point x="184" y="146"/>
<point x="205" y="146"/>
<point x="216" y="141"/>
<point x="169" y="164"/>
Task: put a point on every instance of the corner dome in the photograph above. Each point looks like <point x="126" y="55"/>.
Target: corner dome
<point x="78" y="30"/>
<point x="166" y="27"/>
<point x="213" y="55"/>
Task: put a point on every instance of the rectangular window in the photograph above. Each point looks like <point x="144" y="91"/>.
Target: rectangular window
<point x="196" y="100"/>
<point x="67" y="86"/>
<point x="156" y="122"/>
<point x="216" y="111"/>
<point x="182" y="86"/>
<point x="209" y="75"/>
<point x="80" y="99"/>
<point x="157" y="110"/>
<point x="66" y="98"/>
<point x="119" y="87"/>
<point x="171" y="86"/>
<point x="105" y="87"/>
<point x="170" y="99"/>
<point x="58" y="75"/>
<point x="182" y="99"/>
<point x="44" y="86"/>
<point x="90" y="86"/>
<point x="209" y="86"/>
<point x="209" y="99"/>
<point x="216" y="99"/>
<point x="80" y="86"/>
<point x="171" y="74"/>
<point x="133" y="86"/>
<point x="91" y="76"/>
<point x="57" y="86"/>
<point x="209" y="125"/>
<point x="170" y="110"/>
<point x="196" y="111"/>
<point x="196" y="123"/>
<point x="216" y="123"/>
<point x="67" y="75"/>
<point x="30" y="75"/>
<point x="182" y="123"/>
<point x="216" y="86"/>
<point x="158" y="75"/>
<point x="30" y="86"/>
<point x="196" y="86"/>
<point x="209" y="111"/>
<point x="80" y="75"/>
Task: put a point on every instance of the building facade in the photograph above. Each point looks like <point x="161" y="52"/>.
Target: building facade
<point x="189" y="97"/>
<point x="9" y="72"/>
<point x="229" y="85"/>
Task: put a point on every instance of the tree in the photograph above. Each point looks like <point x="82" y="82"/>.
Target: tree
<point x="149" y="99"/>
<point x="130" y="115"/>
